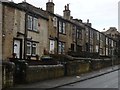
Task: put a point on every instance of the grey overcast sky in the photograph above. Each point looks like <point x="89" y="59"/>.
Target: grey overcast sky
<point x="101" y="13"/>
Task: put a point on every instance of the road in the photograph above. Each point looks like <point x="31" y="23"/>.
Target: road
<point x="105" y="81"/>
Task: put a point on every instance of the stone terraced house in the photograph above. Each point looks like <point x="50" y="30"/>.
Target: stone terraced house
<point x="29" y="31"/>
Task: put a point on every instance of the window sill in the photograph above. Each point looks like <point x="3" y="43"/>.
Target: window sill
<point x="62" y="33"/>
<point x="33" y="31"/>
<point x="31" y="55"/>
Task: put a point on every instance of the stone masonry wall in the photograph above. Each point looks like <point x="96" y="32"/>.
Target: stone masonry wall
<point x="43" y="72"/>
<point x="76" y="68"/>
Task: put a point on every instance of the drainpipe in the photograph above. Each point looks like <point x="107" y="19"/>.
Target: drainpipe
<point x="76" y="37"/>
<point x="2" y="29"/>
<point x="57" y="36"/>
<point x="99" y="45"/>
<point x="25" y="36"/>
<point x="88" y="42"/>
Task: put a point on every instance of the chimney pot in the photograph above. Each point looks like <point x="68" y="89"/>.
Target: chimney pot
<point x="67" y="6"/>
<point x="24" y="1"/>
<point x="87" y="20"/>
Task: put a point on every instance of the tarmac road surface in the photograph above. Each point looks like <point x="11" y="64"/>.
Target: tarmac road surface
<point x="109" y="80"/>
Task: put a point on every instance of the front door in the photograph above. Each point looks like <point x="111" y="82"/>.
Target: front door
<point x="17" y="46"/>
<point x="52" y="46"/>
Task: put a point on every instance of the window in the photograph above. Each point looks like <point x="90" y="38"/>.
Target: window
<point x="91" y="34"/>
<point x="101" y="51"/>
<point x="32" y="23"/>
<point x="97" y="48"/>
<point x="110" y="42"/>
<point x="52" y="46"/>
<point x="79" y="35"/>
<point x="73" y="32"/>
<point x="28" y="48"/>
<point x="35" y="24"/>
<point x="87" y="32"/>
<point x="55" y="21"/>
<point x="97" y="35"/>
<point x="31" y="48"/>
<point x="34" y="49"/>
<point x="62" y="27"/>
<point x="91" y="48"/>
<point x="106" y="41"/>
<point x="61" y="48"/>
<point x="106" y="51"/>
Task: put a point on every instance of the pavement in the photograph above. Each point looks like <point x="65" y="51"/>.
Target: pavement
<point x="55" y="83"/>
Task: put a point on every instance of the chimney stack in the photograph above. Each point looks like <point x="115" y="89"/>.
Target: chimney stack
<point x="50" y="6"/>
<point x="88" y="23"/>
<point x="87" y="20"/>
<point x="66" y="12"/>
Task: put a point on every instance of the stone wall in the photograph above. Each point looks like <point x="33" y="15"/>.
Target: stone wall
<point x="36" y="73"/>
<point x="8" y="28"/>
<point x="7" y="75"/>
<point x="43" y="72"/>
<point x="76" y="68"/>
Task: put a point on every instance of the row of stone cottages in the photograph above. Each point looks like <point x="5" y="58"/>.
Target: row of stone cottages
<point x="28" y="31"/>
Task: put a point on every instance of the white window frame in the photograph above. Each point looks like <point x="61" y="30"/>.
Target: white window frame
<point x="91" y="34"/>
<point x="91" y="48"/>
<point x="61" y="47"/>
<point x="106" y="41"/>
<point x="34" y="45"/>
<point x="106" y="51"/>
<point x="55" y="21"/>
<point x="112" y="43"/>
<point x="30" y="22"/>
<point x="64" y="30"/>
<point x="98" y="36"/>
<point x="60" y="50"/>
<point x="52" y="46"/>
<point x="29" y="45"/>
<point x="35" y="24"/>
<point x="60" y="27"/>
<point x="97" y="48"/>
